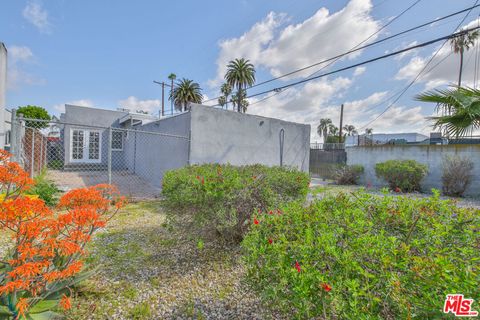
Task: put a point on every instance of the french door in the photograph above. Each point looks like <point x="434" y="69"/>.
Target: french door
<point x="85" y="146"/>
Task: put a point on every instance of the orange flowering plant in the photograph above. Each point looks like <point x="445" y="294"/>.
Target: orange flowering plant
<point x="46" y="258"/>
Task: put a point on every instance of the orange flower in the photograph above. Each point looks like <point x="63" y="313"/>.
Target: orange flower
<point x="22" y="306"/>
<point x="42" y="237"/>
<point x="65" y="302"/>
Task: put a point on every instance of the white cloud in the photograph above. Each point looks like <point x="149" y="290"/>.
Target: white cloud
<point x="18" y="56"/>
<point x="37" y="15"/>
<point x="444" y="67"/>
<point x="281" y="50"/>
<point x="134" y="104"/>
<point x="359" y="71"/>
<point x="82" y="102"/>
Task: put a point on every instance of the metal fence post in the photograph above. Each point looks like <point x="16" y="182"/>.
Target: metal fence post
<point x="13" y="134"/>
<point x="32" y="157"/>
<point x="109" y="155"/>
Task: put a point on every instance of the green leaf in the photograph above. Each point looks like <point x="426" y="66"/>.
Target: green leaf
<point x="49" y="315"/>
<point x="44" y="305"/>
<point x="5" y="311"/>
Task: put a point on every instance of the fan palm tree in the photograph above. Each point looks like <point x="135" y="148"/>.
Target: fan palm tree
<point x="222" y="101"/>
<point x="243" y="101"/>
<point x="226" y="91"/>
<point x="461" y="108"/>
<point x="185" y="92"/>
<point x="172" y="77"/>
<point x="332" y="130"/>
<point x="240" y="74"/>
<point x="350" y="130"/>
<point x="461" y="44"/>
<point x="322" y="128"/>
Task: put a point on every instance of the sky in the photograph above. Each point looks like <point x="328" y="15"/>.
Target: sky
<point x="106" y="54"/>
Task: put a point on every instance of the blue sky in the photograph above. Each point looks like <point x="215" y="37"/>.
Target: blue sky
<point x="106" y="53"/>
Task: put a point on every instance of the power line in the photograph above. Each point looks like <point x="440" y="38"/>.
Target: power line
<point x="426" y="65"/>
<point x="359" y="48"/>
<point x="423" y="44"/>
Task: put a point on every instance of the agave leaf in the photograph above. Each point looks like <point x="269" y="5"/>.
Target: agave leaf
<point x="4" y="311"/>
<point x="48" y="315"/>
<point x="44" y="305"/>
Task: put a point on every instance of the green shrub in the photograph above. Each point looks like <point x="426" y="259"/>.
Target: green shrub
<point x="225" y="196"/>
<point x="457" y="175"/>
<point x="362" y="256"/>
<point x="404" y="175"/>
<point x="348" y="174"/>
<point x="45" y="189"/>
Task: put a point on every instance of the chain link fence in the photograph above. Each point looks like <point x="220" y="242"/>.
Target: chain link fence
<point x="74" y="156"/>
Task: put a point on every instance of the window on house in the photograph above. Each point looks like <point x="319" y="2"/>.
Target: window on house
<point x="117" y="140"/>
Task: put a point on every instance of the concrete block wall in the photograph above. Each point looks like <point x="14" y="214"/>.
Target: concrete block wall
<point x="229" y="137"/>
<point x="431" y="155"/>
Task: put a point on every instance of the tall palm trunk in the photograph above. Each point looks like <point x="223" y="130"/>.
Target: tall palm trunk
<point x="171" y="92"/>
<point x="461" y="68"/>
<point x="239" y="102"/>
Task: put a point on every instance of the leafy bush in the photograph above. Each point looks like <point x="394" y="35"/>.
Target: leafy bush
<point x="225" y="196"/>
<point x="362" y="256"/>
<point x="404" y="175"/>
<point x="45" y="189"/>
<point x="348" y="174"/>
<point x="457" y="175"/>
<point x="46" y="257"/>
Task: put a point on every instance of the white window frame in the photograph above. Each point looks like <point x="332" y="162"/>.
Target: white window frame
<point x="86" y="142"/>
<point x="121" y="140"/>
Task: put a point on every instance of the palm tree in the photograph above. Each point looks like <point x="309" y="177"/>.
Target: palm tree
<point x="226" y="91"/>
<point x="322" y="128"/>
<point x="350" y="129"/>
<point x="240" y="74"/>
<point x="172" y="77"/>
<point x="222" y="101"/>
<point x="368" y="131"/>
<point x="185" y="92"/>
<point x="243" y="101"/>
<point x="461" y="108"/>
<point x="461" y="44"/>
<point x="332" y="130"/>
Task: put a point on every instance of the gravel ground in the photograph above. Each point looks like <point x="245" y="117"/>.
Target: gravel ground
<point x="151" y="270"/>
<point x="320" y="190"/>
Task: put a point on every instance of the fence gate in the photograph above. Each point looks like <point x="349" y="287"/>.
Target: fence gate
<point x="325" y="158"/>
<point x="74" y="156"/>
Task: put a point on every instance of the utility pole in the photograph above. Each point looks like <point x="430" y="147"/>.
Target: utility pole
<point x="341" y="124"/>
<point x="163" y="84"/>
<point x="163" y="99"/>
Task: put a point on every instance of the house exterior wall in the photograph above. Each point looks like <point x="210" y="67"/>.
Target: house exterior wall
<point x="229" y="137"/>
<point x="431" y="155"/>
<point x="95" y="119"/>
<point x="149" y="155"/>
<point x="3" y="90"/>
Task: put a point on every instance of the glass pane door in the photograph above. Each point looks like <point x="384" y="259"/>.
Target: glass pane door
<point x="77" y="144"/>
<point x="94" y="145"/>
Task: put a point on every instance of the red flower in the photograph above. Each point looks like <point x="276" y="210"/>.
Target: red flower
<point x="326" y="287"/>
<point x="198" y="177"/>
<point x="203" y="181"/>
<point x="397" y="189"/>
<point x="270" y="212"/>
<point x="270" y="241"/>
<point x="254" y="177"/>
<point x="279" y="212"/>
<point x="297" y="266"/>
<point x="255" y="221"/>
